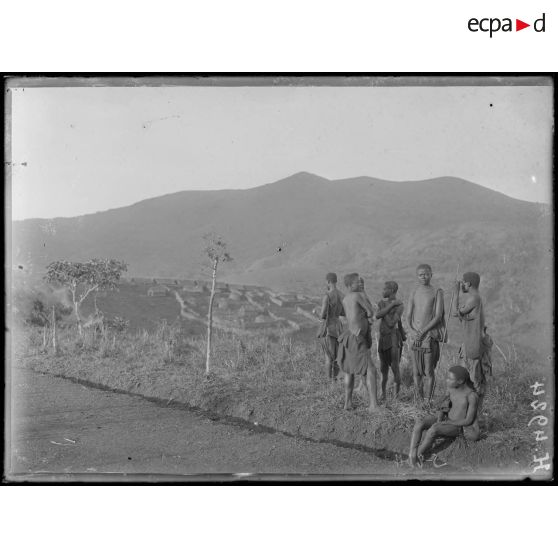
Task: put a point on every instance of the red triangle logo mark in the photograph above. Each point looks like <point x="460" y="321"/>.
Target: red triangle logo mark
<point x="519" y="25"/>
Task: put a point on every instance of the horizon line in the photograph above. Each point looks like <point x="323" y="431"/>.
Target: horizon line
<point x="275" y="182"/>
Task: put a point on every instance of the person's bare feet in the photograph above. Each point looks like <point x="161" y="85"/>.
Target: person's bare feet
<point x="416" y="460"/>
<point x="372" y="408"/>
<point x="348" y="406"/>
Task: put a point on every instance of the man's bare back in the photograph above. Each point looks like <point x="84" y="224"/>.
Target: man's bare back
<point x="355" y="342"/>
<point x="357" y="311"/>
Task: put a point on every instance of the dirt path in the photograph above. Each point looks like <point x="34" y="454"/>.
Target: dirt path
<point x="59" y="427"/>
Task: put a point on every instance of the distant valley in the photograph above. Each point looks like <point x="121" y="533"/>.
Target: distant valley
<point x="288" y="234"/>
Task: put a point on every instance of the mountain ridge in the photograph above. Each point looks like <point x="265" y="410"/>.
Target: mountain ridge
<point x="288" y="234"/>
<point x="301" y="174"/>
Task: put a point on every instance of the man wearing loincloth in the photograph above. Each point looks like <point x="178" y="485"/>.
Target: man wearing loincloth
<point x="331" y="310"/>
<point x="390" y="343"/>
<point x="355" y="342"/>
<point x="457" y="415"/>
<point x="425" y="316"/>
<point x="474" y="352"/>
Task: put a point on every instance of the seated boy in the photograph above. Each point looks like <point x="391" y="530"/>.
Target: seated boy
<point x="457" y="416"/>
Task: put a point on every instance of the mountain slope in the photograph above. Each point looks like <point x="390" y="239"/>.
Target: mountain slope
<point x="290" y="233"/>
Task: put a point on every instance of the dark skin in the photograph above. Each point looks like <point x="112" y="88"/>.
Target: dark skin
<point x="462" y="308"/>
<point x="331" y="368"/>
<point x="462" y="411"/>
<point x="361" y="385"/>
<point x="470" y="302"/>
<point x="392" y="320"/>
<point x="358" y="311"/>
<point x="425" y="311"/>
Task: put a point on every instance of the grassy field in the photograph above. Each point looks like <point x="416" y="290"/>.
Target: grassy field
<point x="279" y="383"/>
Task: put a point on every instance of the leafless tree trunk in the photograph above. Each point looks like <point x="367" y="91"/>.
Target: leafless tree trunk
<point x="54" y="340"/>
<point x="45" y="327"/>
<point x="78" y="318"/>
<point x="210" y="317"/>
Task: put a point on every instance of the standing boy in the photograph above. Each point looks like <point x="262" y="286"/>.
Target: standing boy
<point x="469" y="310"/>
<point x="425" y="316"/>
<point x="390" y="344"/>
<point x="355" y="342"/>
<point x="331" y="310"/>
<point x="459" y="415"/>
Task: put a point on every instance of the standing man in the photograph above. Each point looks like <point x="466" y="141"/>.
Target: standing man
<point x="425" y="316"/>
<point x="475" y="350"/>
<point x="331" y="310"/>
<point x="390" y="345"/>
<point x="355" y="342"/>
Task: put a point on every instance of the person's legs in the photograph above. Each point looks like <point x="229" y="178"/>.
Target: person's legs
<point x="395" y="356"/>
<point x="384" y="371"/>
<point x="327" y="346"/>
<point x="371" y="385"/>
<point x="349" y="384"/>
<point x="435" y="431"/>
<point x="416" y="358"/>
<point x="478" y="379"/>
<point x="420" y="426"/>
<point x="430" y="362"/>
<point x="327" y="366"/>
<point x="335" y="364"/>
<point x="327" y="359"/>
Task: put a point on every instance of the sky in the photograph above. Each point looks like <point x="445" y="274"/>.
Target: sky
<point x="78" y="150"/>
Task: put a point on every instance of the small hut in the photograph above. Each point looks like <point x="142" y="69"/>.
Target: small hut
<point x="158" y="290"/>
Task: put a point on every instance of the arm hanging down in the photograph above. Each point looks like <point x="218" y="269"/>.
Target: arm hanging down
<point x="323" y="309"/>
<point x="438" y="313"/>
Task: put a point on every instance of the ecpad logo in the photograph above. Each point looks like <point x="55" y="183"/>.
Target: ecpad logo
<point x="494" y="24"/>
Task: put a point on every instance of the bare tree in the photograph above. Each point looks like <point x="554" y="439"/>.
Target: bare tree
<point x="216" y="251"/>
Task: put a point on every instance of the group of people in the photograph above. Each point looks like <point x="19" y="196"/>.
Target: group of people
<point x="348" y="349"/>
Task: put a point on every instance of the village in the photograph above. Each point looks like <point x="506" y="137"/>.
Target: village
<point x="247" y="309"/>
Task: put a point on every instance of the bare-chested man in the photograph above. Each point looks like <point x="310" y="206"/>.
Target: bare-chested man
<point x="390" y="344"/>
<point x="474" y="349"/>
<point x="332" y="308"/>
<point x="425" y="315"/>
<point x="355" y="342"/>
<point x="457" y="415"/>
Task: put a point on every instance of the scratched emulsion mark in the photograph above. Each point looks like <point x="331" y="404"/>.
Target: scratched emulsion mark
<point x="542" y="461"/>
<point x="148" y="123"/>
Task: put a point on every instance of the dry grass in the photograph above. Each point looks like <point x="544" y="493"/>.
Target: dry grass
<point x="279" y="382"/>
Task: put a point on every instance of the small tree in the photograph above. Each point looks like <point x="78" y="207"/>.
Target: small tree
<point x="82" y="279"/>
<point x="216" y="251"/>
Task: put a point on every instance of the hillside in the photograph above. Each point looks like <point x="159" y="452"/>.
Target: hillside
<point x="288" y="234"/>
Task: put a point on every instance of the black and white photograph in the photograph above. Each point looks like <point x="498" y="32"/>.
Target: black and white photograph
<point x="279" y="277"/>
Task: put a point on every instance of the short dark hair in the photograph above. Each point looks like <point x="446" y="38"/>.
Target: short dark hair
<point x="349" y="278"/>
<point x="392" y="285"/>
<point x="473" y="278"/>
<point x="462" y="374"/>
<point x="424" y="266"/>
<point x="331" y="277"/>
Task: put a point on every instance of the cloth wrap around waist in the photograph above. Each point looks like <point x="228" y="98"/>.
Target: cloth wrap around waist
<point x="354" y="352"/>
